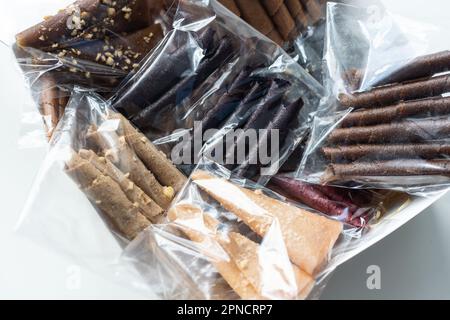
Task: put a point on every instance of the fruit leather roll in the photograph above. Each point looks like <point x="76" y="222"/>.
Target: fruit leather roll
<point x="87" y="20"/>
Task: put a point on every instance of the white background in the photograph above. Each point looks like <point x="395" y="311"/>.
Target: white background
<point x="414" y="260"/>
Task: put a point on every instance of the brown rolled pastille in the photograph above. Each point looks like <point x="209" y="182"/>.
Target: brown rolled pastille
<point x="276" y="37"/>
<point x="121" y="155"/>
<point x="296" y="10"/>
<point x="231" y="5"/>
<point x="86" y="19"/>
<point x="313" y="10"/>
<point x="421" y="67"/>
<point x="253" y="12"/>
<point x="382" y="96"/>
<point x="154" y="159"/>
<point x="401" y="167"/>
<point x="406" y="131"/>
<point x="49" y="104"/>
<point x="122" y="52"/>
<point x="424" y="108"/>
<point x="284" y="22"/>
<point x="365" y="152"/>
<point x="146" y="205"/>
<point x="107" y="196"/>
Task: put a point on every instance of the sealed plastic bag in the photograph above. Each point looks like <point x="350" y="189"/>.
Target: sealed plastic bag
<point x="212" y="75"/>
<point x="386" y="122"/>
<point x="90" y="43"/>
<point x="124" y="177"/>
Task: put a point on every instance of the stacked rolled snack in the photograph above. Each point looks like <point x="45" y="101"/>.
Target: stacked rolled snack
<point x="95" y="43"/>
<point x="280" y="20"/>
<point x="243" y="99"/>
<point x="300" y="240"/>
<point x="124" y="175"/>
<point x="399" y="128"/>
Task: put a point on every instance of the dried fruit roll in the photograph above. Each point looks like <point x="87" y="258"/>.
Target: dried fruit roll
<point x="313" y="10"/>
<point x="228" y="101"/>
<point x="280" y="122"/>
<point x="249" y="258"/>
<point x="406" y="131"/>
<point x="146" y="205"/>
<point x="163" y="74"/>
<point x="425" y="66"/>
<point x="308" y="237"/>
<point x="122" y="156"/>
<point x="382" y="96"/>
<point x="231" y="5"/>
<point x="107" y="195"/>
<point x="49" y="104"/>
<point x="426" y="108"/>
<point x="284" y="22"/>
<point x="309" y="195"/>
<point x="154" y="159"/>
<point x="253" y="12"/>
<point x="272" y="6"/>
<point x="402" y="167"/>
<point x="86" y="19"/>
<point x="365" y="152"/>
<point x="124" y="52"/>
<point x="185" y="87"/>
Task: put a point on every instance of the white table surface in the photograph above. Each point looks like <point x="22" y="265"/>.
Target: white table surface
<point x="414" y="260"/>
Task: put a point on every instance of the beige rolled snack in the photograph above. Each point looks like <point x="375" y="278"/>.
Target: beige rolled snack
<point x="107" y="195"/>
<point x="308" y="237"/>
<point x="154" y="159"/>
<point x="149" y="208"/>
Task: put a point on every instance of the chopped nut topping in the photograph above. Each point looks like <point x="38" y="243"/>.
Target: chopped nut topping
<point x="169" y="192"/>
<point x="87" y="75"/>
<point x="42" y="38"/>
<point x="109" y="61"/>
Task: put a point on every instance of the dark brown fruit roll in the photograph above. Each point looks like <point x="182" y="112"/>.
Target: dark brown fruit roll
<point x="421" y="67"/>
<point x="425" y="108"/>
<point x="272" y="6"/>
<point x="394" y="168"/>
<point x="296" y="10"/>
<point x="367" y="152"/>
<point x="146" y="205"/>
<point x="407" y="131"/>
<point x="383" y="96"/>
<point x="284" y="22"/>
<point x="107" y="196"/>
<point x="184" y="88"/>
<point x="86" y="20"/>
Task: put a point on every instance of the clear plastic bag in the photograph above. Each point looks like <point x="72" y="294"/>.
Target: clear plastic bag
<point x="91" y="43"/>
<point x="384" y="124"/>
<point x="211" y="76"/>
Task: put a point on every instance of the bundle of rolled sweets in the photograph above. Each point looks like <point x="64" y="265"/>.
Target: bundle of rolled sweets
<point x="124" y="175"/>
<point x="223" y="91"/>
<point x="95" y="43"/>
<point x="303" y="240"/>
<point x="401" y="127"/>
<point x="280" y="20"/>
